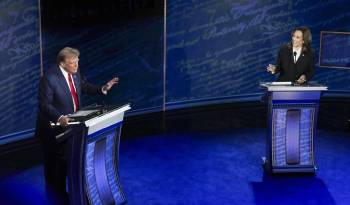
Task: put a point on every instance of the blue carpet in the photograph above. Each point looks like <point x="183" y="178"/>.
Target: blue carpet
<point x="26" y="187"/>
<point x="209" y="168"/>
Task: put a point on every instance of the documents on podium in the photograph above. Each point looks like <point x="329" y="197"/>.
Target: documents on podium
<point x="276" y="83"/>
<point x="292" y="119"/>
<point x="82" y="115"/>
<point x="93" y="176"/>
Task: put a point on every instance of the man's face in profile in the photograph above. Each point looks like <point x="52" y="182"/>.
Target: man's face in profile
<point x="71" y="64"/>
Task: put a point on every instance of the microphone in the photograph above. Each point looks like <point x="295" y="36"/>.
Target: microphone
<point x="295" y="56"/>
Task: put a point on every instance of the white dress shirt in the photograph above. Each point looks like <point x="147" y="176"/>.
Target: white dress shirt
<point x="65" y="74"/>
<point x="298" y="51"/>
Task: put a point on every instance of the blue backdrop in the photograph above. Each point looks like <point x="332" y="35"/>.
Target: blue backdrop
<point x="215" y="50"/>
<point x="132" y="50"/>
<point x="220" y="49"/>
<point x="19" y="65"/>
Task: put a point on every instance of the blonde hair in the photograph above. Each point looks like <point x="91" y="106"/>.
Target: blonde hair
<point x="67" y="52"/>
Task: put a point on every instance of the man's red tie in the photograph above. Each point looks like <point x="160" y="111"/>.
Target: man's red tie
<point x="74" y="94"/>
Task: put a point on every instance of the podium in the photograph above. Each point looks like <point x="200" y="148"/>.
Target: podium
<point x="292" y="121"/>
<point x="93" y="176"/>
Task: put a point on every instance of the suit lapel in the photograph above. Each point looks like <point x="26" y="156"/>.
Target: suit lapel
<point x="301" y="58"/>
<point x="63" y="84"/>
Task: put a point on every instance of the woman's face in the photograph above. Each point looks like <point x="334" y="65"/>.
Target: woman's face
<point x="297" y="39"/>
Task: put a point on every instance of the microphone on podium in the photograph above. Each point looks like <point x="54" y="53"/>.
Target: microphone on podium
<point x="295" y="56"/>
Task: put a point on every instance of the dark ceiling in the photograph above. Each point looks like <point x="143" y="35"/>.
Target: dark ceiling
<point x="82" y="12"/>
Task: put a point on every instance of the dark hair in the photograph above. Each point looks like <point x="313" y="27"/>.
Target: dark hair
<point x="66" y="53"/>
<point x="307" y="38"/>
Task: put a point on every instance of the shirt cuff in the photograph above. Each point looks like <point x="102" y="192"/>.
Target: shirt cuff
<point x="59" y="118"/>
<point x="104" y="90"/>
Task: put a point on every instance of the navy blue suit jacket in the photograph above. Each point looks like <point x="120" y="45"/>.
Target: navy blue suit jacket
<point x="55" y="98"/>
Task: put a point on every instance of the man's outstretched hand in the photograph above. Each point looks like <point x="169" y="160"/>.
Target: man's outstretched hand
<point x="110" y="84"/>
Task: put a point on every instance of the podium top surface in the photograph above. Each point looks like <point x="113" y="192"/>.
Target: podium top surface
<point x="97" y="115"/>
<point x="289" y="86"/>
<point x="106" y="120"/>
<point x="107" y="116"/>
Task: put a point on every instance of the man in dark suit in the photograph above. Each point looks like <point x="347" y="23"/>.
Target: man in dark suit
<point x="295" y="61"/>
<point x="60" y="92"/>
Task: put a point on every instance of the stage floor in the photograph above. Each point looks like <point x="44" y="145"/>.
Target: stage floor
<point x="221" y="167"/>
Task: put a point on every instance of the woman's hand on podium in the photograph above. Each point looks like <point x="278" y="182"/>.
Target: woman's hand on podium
<point x="302" y="79"/>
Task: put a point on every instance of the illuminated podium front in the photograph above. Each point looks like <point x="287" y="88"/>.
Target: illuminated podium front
<point x="292" y="121"/>
<point x="93" y="176"/>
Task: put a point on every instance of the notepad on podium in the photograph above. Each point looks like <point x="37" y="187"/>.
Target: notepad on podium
<point x="83" y="115"/>
<point x="277" y="83"/>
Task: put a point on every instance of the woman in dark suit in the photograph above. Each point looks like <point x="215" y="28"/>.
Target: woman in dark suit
<point x="295" y="61"/>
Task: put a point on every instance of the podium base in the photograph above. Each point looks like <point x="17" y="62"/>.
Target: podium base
<point x="288" y="169"/>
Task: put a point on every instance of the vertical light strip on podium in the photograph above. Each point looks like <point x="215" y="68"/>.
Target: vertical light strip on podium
<point x="307" y="118"/>
<point x="292" y="136"/>
<point x="100" y="173"/>
<point x="102" y="157"/>
<point x="278" y="137"/>
<point x="102" y="181"/>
